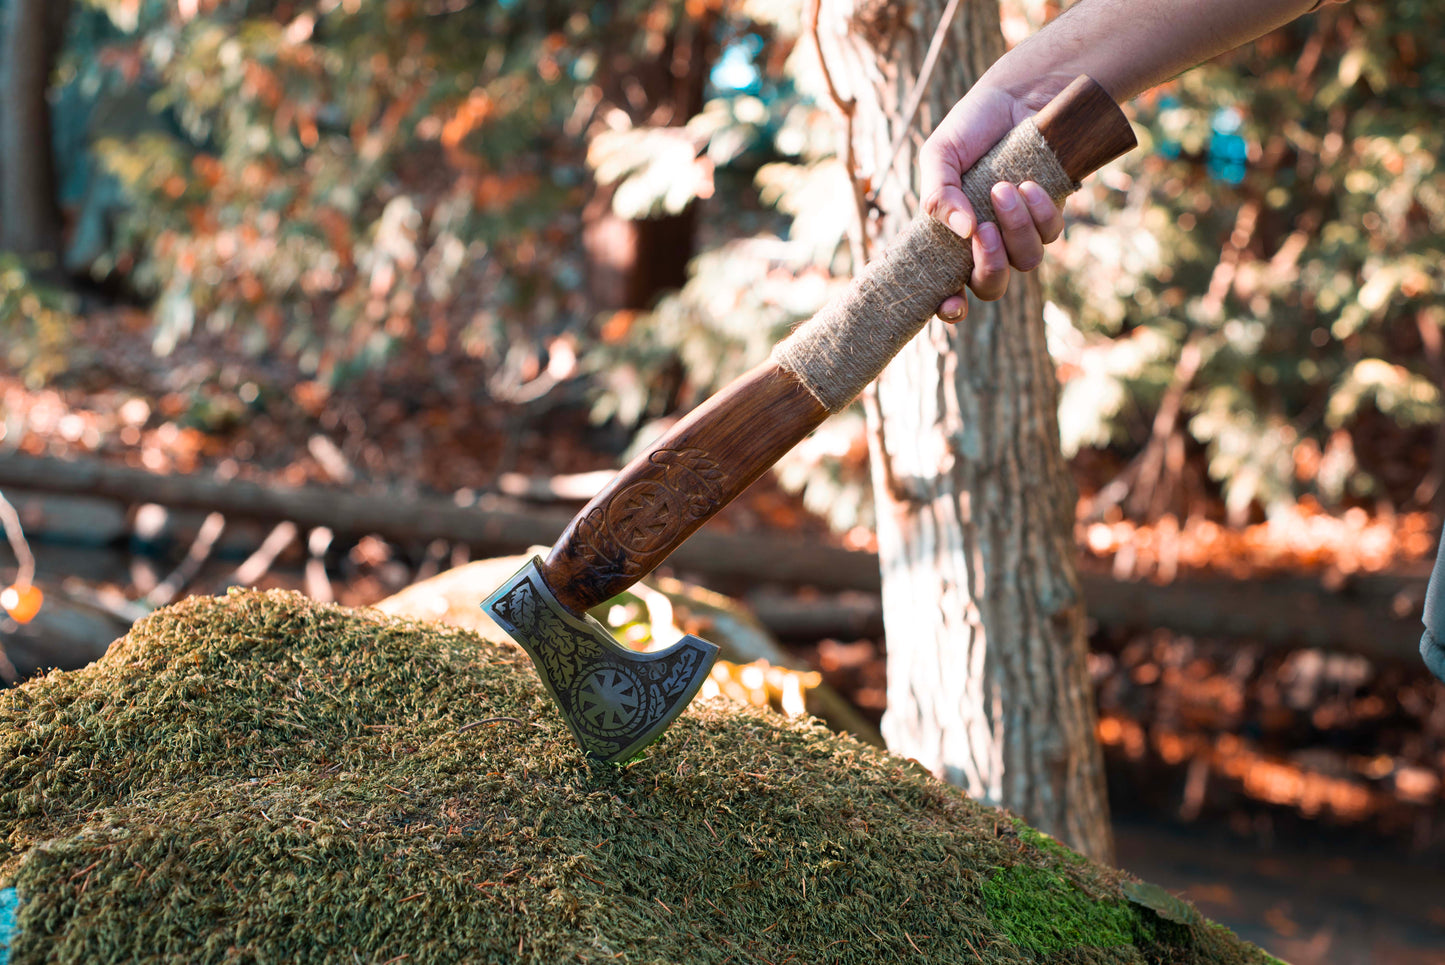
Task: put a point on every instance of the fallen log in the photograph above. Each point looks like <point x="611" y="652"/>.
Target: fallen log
<point x="1374" y="615"/>
<point x="491" y="525"/>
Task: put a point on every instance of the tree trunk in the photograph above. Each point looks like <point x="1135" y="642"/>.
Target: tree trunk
<point x="30" y="31"/>
<point x="987" y="678"/>
<point x="631" y="262"/>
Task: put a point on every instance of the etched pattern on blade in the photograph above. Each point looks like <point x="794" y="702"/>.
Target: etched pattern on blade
<point x="615" y="701"/>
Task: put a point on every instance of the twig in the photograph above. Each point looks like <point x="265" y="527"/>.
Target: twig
<point x="847" y="107"/>
<point x="11" y="520"/>
<point x="1149" y="497"/>
<point x="331" y="459"/>
<point x="489" y="720"/>
<point x="1139" y="482"/>
<point x="858" y="238"/>
<point x="23" y="577"/>
<point x="1222" y="279"/>
<point x="200" y="551"/>
<point x="318" y="584"/>
<point x="256" y="565"/>
<point x="898" y="490"/>
<point x="915" y="97"/>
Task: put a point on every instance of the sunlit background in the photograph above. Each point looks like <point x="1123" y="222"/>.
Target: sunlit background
<point x="476" y="253"/>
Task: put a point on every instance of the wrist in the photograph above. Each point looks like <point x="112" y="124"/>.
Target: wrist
<point x="1029" y="86"/>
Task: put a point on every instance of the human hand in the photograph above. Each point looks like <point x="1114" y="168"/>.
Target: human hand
<point x="1028" y="219"/>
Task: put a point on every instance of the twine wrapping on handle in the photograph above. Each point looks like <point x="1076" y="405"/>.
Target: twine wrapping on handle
<point x="837" y="352"/>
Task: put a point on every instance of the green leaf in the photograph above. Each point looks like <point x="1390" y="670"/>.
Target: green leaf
<point x="1161" y="902"/>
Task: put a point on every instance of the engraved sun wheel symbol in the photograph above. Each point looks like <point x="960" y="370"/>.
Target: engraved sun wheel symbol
<point x="608" y="699"/>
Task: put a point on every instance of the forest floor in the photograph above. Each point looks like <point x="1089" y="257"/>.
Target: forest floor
<point x="1294" y="793"/>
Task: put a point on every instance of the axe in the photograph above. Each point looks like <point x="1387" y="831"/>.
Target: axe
<point x="616" y="701"/>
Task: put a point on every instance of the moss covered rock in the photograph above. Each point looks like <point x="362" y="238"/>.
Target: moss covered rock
<point x="259" y="778"/>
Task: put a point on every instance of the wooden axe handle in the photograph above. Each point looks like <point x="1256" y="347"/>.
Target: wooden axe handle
<point x="721" y="447"/>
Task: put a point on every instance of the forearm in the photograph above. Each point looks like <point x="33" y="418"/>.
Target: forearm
<point x="1129" y="46"/>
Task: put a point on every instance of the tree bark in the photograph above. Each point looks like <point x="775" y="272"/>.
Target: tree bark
<point x="987" y="677"/>
<point x="633" y="261"/>
<point x="30" y="31"/>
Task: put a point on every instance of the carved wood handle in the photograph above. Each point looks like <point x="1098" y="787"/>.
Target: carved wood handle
<point x="720" y="448"/>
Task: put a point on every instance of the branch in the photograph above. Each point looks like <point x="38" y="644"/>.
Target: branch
<point x="858" y="239"/>
<point x="1149" y="498"/>
<point x="200" y="551"/>
<point x="255" y="566"/>
<point x="915" y="96"/>
<point x="11" y="520"/>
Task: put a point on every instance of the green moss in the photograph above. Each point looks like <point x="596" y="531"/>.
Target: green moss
<point x="1047" y="843"/>
<point x="258" y="778"/>
<point x="1043" y="912"/>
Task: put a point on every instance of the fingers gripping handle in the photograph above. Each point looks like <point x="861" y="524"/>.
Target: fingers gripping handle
<point x="847" y="344"/>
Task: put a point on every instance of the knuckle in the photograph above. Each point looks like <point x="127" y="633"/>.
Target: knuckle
<point x="933" y="201"/>
<point x="989" y="281"/>
<point x="992" y="291"/>
<point x="1016" y="218"/>
<point x="995" y="258"/>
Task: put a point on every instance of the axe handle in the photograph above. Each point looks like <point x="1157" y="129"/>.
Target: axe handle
<point x="721" y="447"/>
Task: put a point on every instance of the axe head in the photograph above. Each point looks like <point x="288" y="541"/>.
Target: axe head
<point x="615" y="700"/>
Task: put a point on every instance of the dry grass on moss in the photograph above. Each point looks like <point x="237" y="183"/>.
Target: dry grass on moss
<point x="259" y="778"/>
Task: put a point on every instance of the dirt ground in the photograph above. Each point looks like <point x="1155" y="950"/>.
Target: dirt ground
<point x="1330" y="903"/>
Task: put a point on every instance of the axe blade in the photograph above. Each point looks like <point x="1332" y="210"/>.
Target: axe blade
<point x="616" y="701"/>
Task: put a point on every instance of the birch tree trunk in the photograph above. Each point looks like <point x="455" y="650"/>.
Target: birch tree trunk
<point x="987" y="678"/>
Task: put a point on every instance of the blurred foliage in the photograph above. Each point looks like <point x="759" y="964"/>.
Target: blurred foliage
<point x="1284" y="215"/>
<point x="1281" y="220"/>
<point x="329" y="177"/>
<point x="325" y="180"/>
<point x="35" y="323"/>
<point x="773" y="250"/>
